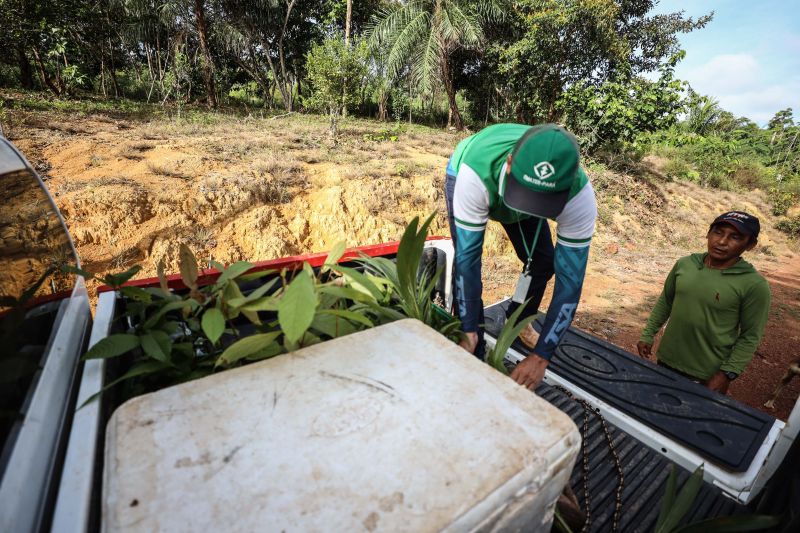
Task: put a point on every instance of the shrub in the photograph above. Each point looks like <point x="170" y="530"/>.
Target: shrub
<point x="619" y="110"/>
<point x="677" y="168"/>
<point x="335" y="73"/>
<point x="753" y="175"/>
<point x="782" y="200"/>
<point x="790" y="226"/>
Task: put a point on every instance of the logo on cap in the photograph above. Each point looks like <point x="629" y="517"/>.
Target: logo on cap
<point x="544" y="170"/>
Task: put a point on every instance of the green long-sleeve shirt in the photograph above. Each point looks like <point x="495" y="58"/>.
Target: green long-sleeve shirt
<point x="716" y="317"/>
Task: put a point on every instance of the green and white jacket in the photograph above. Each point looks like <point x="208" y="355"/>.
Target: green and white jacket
<point x="478" y="165"/>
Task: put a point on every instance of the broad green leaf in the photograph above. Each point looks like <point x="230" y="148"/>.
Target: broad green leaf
<point x="254" y="295"/>
<point x="188" y="267"/>
<point x="252" y="316"/>
<point x="359" y="281"/>
<point x="309" y="339"/>
<point x="246" y="347"/>
<point x="153" y="348"/>
<point x="69" y="269"/>
<point x="349" y="315"/>
<point x="334" y="255"/>
<point x="233" y="271"/>
<point x="140" y="369"/>
<point x="135" y="293"/>
<point x="682" y="503"/>
<point x="267" y="303"/>
<point x="332" y="326"/>
<point x="216" y="264"/>
<point x="213" y="324"/>
<point x="171" y="306"/>
<point x="256" y="275"/>
<point x="731" y="524"/>
<point x="183" y="348"/>
<point x="345" y="293"/>
<point x="297" y="307"/>
<point x="270" y="351"/>
<point x="112" y="346"/>
<point x="115" y="280"/>
<point x="156" y="291"/>
<point x="170" y="327"/>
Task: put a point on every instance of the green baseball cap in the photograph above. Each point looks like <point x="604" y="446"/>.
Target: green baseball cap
<point x="544" y="164"/>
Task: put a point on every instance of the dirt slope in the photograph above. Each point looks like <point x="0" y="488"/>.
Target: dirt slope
<point x="237" y="188"/>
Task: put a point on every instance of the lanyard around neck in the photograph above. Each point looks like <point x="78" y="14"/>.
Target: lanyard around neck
<point x="530" y="250"/>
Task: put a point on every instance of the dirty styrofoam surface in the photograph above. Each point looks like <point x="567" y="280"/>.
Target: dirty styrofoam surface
<point x="390" y="429"/>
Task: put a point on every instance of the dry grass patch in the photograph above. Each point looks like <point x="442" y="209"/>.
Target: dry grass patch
<point x="125" y="258"/>
<point x="288" y="171"/>
<point x="169" y="170"/>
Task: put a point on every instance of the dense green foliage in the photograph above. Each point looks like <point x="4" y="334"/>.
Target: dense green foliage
<point x="335" y="71"/>
<point x="501" y="59"/>
<point x="621" y="109"/>
<point x="603" y="68"/>
<point x="719" y="150"/>
<point x="177" y="337"/>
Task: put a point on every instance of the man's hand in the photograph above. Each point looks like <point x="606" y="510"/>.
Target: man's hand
<point x="469" y="342"/>
<point x="645" y="349"/>
<point x="530" y="371"/>
<point x="718" y="382"/>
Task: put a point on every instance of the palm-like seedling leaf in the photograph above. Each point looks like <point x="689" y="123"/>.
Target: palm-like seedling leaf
<point x="510" y="331"/>
<point x="668" y="500"/>
<point x="681" y="502"/>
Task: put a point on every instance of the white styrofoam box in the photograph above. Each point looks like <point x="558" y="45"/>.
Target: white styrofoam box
<point x="390" y="429"/>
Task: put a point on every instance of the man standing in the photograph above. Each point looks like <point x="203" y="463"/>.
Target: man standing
<point x="717" y="306"/>
<point x="521" y="176"/>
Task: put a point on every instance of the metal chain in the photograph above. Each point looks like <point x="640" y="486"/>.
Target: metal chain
<point x="587" y="408"/>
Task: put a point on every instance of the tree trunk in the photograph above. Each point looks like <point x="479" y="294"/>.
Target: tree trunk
<point x="334" y="116"/>
<point x="279" y="80"/>
<point x="458" y="122"/>
<point x="208" y="65"/>
<point x="347" y="20"/>
<point x="114" y="82"/>
<point x="382" y="108"/>
<point x="287" y="95"/>
<point x="46" y="80"/>
<point x="112" y="69"/>
<point x="103" y="77"/>
<point x="25" y="70"/>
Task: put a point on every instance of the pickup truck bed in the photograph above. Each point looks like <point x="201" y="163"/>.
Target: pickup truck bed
<point x="645" y="474"/>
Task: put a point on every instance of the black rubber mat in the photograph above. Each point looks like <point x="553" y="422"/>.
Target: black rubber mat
<point x="715" y="426"/>
<point x="645" y="474"/>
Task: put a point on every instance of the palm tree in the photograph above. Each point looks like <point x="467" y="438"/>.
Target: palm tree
<point x="703" y="113"/>
<point x="425" y="33"/>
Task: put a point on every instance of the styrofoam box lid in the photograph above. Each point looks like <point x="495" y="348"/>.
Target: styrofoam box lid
<point x="390" y="429"/>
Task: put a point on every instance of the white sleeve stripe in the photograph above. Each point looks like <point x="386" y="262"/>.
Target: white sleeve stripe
<point x="576" y="221"/>
<point x="574" y="244"/>
<point x="470" y="198"/>
<point x="471" y="227"/>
